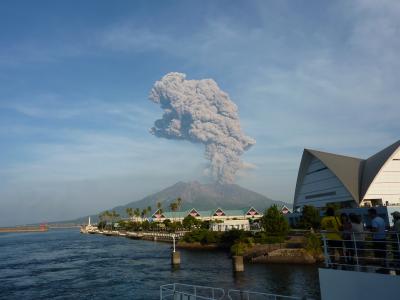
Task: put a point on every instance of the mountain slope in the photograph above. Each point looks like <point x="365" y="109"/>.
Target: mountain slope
<point x="201" y="197"/>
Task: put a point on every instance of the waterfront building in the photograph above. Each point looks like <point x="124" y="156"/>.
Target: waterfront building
<point x="208" y="215"/>
<point x="326" y="178"/>
<point x="228" y="224"/>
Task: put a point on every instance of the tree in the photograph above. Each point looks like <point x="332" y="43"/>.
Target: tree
<point x="189" y="222"/>
<point x="144" y="213"/>
<point x="159" y="206"/>
<point x="136" y="213"/>
<point x="178" y="202"/>
<point x="149" y="209"/>
<point x="113" y="216"/>
<point x="274" y="223"/>
<point x="173" y="206"/>
<point x="310" y="217"/>
<point x="129" y="212"/>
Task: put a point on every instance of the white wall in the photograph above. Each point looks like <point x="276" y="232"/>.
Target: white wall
<point x="320" y="182"/>
<point x="231" y="224"/>
<point x="350" y="285"/>
<point x="386" y="185"/>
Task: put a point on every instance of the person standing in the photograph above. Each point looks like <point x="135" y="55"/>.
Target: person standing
<point x="332" y="225"/>
<point x="346" y="235"/>
<point x="357" y="235"/>
<point x="396" y="238"/>
<point x="379" y="235"/>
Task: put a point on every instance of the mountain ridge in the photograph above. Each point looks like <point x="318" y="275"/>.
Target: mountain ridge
<point x="200" y="196"/>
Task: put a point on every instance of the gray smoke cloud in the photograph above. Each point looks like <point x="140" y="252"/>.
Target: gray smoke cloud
<point x="200" y="112"/>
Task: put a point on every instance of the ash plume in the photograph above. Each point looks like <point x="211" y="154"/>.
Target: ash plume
<point x="199" y="112"/>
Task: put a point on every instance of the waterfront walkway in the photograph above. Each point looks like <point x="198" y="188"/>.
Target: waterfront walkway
<point x="142" y="235"/>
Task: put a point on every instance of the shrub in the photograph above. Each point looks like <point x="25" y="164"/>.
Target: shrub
<point x="310" y="218"/>
<point x="264" y="238"/>
<point x="313" y="244"/>
<point x="229" y="237"/>
<point x="202" y="236"/>
<point x="274" y="223"/>
<point x="239" y="248"/>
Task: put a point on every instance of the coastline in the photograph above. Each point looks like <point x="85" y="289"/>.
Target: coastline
<point x="290" y="252"/>
<point x="24" y="229"/>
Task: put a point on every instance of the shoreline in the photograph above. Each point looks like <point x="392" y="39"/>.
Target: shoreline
<point x="23" y="229"/>
<point x="279" y="253"/>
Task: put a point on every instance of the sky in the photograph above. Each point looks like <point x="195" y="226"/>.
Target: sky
<point x="75" y="77"/>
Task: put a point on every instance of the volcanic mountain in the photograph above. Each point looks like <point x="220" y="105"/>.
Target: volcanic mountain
<point x="200" y="196"/>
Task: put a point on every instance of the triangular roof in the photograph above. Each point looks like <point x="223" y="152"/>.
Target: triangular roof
<point x="374" y="164"/>
<point x="284" y="207"/>
<point x="193" y="210"/>
<point x="249" y="209"/>
<point x="219" y="209"/>
<point x="157" y="212"/>
<point x="347" y="169"/>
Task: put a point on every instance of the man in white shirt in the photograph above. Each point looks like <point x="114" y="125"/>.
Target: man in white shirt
<point x="379" y="235"/>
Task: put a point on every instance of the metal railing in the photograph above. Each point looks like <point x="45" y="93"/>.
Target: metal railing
<point x="361" y="252"/>
<point x="180" y="291"/>
<point x="249" y="295"/>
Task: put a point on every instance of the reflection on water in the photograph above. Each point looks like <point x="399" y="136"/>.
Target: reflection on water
<point x="61" y="264"/>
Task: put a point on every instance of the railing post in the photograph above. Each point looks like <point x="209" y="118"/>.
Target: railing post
<point x="355" y="251"/>
<point x="398" y="249"/>
<point x="326" y="255"/>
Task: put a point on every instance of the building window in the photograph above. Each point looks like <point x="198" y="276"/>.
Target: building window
<point x="318" y="170"/>
<point x="320" y="195"/>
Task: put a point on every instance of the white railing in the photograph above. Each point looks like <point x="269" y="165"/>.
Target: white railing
<point x="249" y="295"/>
<point x="361" y="252"/>
<point x="180" y="291"/>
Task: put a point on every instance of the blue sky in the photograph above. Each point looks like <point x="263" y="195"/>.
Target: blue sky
<point x="75" y="78"/>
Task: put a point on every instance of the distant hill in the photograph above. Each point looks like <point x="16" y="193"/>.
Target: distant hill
<point x="201" y="197"/>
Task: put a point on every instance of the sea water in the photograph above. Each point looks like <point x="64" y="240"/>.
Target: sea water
<point x="64" y="264"/>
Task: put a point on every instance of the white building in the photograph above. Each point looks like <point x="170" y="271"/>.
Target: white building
<point x="225" y="225"/>
<point x="325" y="178"/>
<point x="208" y="215"/>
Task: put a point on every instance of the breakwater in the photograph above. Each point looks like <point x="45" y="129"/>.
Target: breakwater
<point x="24" y="229"/>
<point x="142" y="235"/>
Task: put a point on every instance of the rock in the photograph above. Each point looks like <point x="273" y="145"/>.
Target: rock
<point x="285" y="255"/>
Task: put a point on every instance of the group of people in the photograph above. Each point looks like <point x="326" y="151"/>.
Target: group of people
<point x="346" y="234"/>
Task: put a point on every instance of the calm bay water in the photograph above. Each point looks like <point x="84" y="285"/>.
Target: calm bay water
<point x="64" y="264"/>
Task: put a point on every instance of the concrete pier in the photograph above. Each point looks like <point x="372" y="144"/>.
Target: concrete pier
<point x="238" y="265"/>
<point x="175" y="258"/>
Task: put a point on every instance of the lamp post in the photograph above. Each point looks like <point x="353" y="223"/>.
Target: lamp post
<point x="175" y="256"/>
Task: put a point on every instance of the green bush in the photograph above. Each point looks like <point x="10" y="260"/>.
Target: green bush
<point x="310" y="218"/>
<point x="202" y="236"/>
<point x="274" y="223"/>
<point x="228" y="238"/>
<point x="239" y="248"/>
<point x="264" y="238"/>
<point x="313" y="244"/>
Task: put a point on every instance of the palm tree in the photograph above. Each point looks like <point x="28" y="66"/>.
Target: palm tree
<point x="149" y="209"/>
<point x="144" y="213"/>
<point x="179" y="202"/>
<point x="129" y="212"/>
<point x="174" y="207"/>
<point x="136" y="212"/>
<point x="106" y="216"/>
